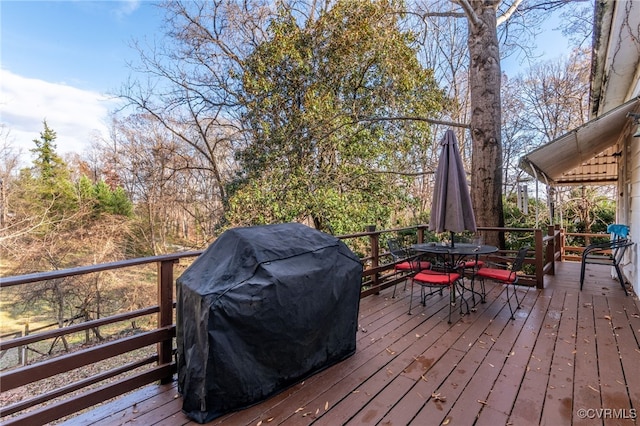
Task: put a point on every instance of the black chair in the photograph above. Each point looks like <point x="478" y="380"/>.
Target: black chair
<point x="610" y="253"/>
<point x="404" y="261"/>
<point x="436" y="281"/>
<point x="505" y="275"/>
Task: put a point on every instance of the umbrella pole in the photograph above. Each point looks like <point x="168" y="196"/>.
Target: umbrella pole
<point x="452" y="244"/>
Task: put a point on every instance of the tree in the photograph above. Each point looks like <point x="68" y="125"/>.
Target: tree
<point x="291" y="80"/>
<point x="308" y="94"/>
<point x="55" y="223"/>
<point x="51" y="176"/>
<point x="9" y="161"/>
<point x="483" y="18"/>
<point x="170" y="182"/>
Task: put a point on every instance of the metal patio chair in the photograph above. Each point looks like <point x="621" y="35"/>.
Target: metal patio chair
<point x="404" y="261"/>
<point x="504" y="275"/>
<point x="609" y="253"/>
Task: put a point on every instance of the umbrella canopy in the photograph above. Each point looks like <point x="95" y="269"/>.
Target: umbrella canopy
<point x="451" y="208"/>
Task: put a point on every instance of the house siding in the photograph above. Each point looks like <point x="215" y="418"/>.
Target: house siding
<point x="629" y="207"/>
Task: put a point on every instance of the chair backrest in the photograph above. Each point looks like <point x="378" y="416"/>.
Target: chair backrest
<point x="396" y="250"/>
<point x="618" y="230"/>
<point x="619" y="246"/>
<point x="518" y="263"/>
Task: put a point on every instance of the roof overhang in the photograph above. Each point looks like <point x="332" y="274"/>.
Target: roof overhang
<point x="584" y="156"/>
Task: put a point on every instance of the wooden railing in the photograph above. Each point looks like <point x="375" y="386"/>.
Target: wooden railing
<point x="377" y="275"/>
<point x="574" y="252"/>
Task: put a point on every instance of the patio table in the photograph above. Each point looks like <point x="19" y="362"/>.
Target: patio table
<point x="455" y="256"/>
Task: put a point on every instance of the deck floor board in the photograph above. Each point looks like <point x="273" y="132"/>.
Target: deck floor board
<point x="566" y="350"/>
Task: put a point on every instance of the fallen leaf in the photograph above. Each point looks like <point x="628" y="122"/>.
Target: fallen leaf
<point x="482" y="402"/>
<point x="607" y="317"/>
<point x="438" y="397"/>
<point x="299" y="409"/>
<point x="423" y="378"/>
<point x="259" y="423"/>
<point x="317" y="411"/>
<point x="446" y="421"/>
<point x="326" y="406"/>
<point x="492" y="366"/>
<point x="593" y="389"/>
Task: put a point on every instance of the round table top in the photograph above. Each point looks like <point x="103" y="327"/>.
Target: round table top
<point x="458" y="248"/>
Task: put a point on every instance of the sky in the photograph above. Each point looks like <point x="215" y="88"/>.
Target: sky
<point x="62" y="61"/>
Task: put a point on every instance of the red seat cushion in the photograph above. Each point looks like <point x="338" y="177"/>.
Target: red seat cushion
<point x="435" y="278"/>
<point x="472" y="264"/>
<point x="503" y="275"/>
<point x="406" y="266"/>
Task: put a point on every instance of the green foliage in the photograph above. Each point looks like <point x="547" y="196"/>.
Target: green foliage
<point x="49" y="179"/>
<point x="515" y="218"/>
<point x="103" y="199"/>
<point x="588" y="210"/>
<point x="314" y="97"/>
<point x="53" y="215"/>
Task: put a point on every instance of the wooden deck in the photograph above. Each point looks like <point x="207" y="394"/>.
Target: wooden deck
<point x="569" y="357"/>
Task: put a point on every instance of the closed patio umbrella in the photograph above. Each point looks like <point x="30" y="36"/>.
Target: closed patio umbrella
<point x="451" y="208"/>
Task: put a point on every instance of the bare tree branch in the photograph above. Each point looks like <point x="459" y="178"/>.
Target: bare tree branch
<point x="473" y="18"/>
<point x="428" y="120"/>
<point x="506" y="15"/>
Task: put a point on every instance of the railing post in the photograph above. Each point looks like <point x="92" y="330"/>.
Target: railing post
<point x="165" y="314"/>
<point x="539" y="262"/>
<point x="551" y="249"/>
<point x="374" y="240"/>
<point x="421" y="234"/>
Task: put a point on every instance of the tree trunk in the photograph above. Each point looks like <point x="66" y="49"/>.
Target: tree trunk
<point x="486" y="160"/>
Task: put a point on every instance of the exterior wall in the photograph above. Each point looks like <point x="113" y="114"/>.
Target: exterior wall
<point x="629" y="207"/>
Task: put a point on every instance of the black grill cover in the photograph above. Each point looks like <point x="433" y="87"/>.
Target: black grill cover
<point x="261" y="309"/>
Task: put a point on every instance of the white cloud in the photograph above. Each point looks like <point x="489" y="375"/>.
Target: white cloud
<point x="76" y="115"/>
<point x="126" y="8"/>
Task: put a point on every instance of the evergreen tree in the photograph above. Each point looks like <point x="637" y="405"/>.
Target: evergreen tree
<point x="51" y="176"/>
